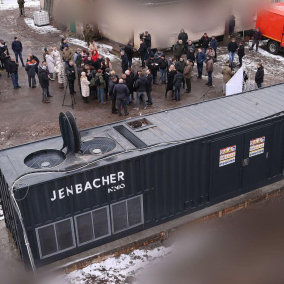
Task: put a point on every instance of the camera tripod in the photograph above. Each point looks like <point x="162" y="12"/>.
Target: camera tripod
<point x="73" y="101"/>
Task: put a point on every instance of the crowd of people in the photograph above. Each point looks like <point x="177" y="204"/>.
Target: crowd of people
<point x="97" y="80"/>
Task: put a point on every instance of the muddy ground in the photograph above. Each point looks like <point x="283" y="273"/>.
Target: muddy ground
<point x="24" y="118"/>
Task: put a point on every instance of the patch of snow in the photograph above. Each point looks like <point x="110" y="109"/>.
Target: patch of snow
<point x="115" y="270"/>
<point x="1" y="213"/>
<point x="103" y="49"/>
<point x="41" y="30"/>
<point x="13" y="4"/>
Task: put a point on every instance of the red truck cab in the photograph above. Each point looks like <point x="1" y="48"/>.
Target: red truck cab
<point x="270" y="20"/>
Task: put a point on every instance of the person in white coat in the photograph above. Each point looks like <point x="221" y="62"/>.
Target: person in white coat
<point x="85" y="87"/>
<point x="56" y="57"/>
<point x="50" y="64"/>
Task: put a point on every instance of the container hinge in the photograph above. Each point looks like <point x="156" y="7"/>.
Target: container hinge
<point x="267" y="154"/>
<point x="245" y="162"/>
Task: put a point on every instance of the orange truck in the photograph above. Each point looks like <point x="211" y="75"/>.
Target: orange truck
<point x="270" y="20"/>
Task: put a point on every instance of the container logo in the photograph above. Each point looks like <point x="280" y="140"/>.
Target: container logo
<point x="114" y="182"/>
<point x="227" y="156"/>
<point x="256" y="146"/>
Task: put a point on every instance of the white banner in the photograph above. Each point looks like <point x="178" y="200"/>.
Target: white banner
<point x="235" y="85"/>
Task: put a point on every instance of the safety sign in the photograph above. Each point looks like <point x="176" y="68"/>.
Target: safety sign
<point x="256" y="146"/>
<point x="227" y="156"/>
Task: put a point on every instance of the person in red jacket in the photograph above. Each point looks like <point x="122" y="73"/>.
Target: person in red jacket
<point x="95" y="55"/>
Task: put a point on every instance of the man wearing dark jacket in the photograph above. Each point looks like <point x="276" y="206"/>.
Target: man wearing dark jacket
<point x="112" y="83"/>
<point x="44" y="83"/>
<point x="124" y="61"/>
<point x="129" y="51"/>
<point x="190" y="55"/>
<point x="13" y="70"/>
<point x="18" y="48"/>
<point x="31" y="68"/>
<point x="5" y="58"/>
<point x="232" y="48"/>
<point x="214" y="44"/>
<point x="163" y="65"/>
<point x="204" y="41"/>
<point x="184" y="37"/>
<point x="147" y="39"/>
<point x="129" y="84"/>
<point x="256" y="38"/>
<point x="149" y="78"/>
<point x="121" y="92"/>
<point x="142" y="51"/>
<point x="153" y="67"/>
<point x="259" y="75"/>
<point x="98" y="63"/>
<point x="21" y="4"/>
<point x="141" y="88"/>
<point x="200" y="58"/>
<point x="178" y="79"/>
<point x="71" y="76"/>
<point x="241" y="53"/>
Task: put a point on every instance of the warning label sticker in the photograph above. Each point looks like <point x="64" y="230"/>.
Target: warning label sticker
<point x="227" y="156"/>
<point x="257" y="146"/>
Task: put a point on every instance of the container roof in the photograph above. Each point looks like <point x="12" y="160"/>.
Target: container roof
<point x="175" y="125"/>
<point x="276" y="8"/>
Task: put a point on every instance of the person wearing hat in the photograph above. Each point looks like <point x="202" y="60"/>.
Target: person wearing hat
<point x="21" y="4"/>
<point x="44" y="83"/>
<point x="85" y="87"/>
<point x="18" y="49"/>
<point x="210" y="52"/>
<point x="227" y="75"/>
<point x="204" y="42"/>
<point x="209" y="70"/>
<point x="89" y="34"/>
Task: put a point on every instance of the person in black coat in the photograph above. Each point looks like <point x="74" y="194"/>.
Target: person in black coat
<point x="232" y="48"/>
<point x="241" y="53"/>
<point x="142" y="51"/>
<point x="259" y="75"/>
<point x="147" y="39"/>
<point x="190" y="55"/>
<point x="44" y="83"/>
<point x="18" y="48"/>
<point x="149" y="78"/>
<point x="5" y="58"/>
<point x="184" y="37"/>
<point x="129" y="51"/>
<point x="141" y="88"/>
<point x="170" y="80"/>
<point x="13" y="70"/>
<point x="71" y="76"/>
<point x="129" y="83"/>
<point x="124" y="61"/>
<point x="204" y="42"/>
<point x="153" y="66"/>
<point x="31" y="68"/>
<point x="163" y="65"/>
<point x="98" y="63"/>
<point x="232" y="24"/>
<point x="112" y="83"/>
<point x="121" y="92"/>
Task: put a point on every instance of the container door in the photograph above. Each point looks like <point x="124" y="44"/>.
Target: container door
<point x="256" y="156"/>
<point x="227" y="166"/>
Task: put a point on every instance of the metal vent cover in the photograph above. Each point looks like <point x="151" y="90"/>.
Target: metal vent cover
<point x="45" y="159"/>
<point x="98" y="145"/>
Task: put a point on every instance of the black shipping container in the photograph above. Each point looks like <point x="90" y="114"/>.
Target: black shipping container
<point x="135" y="174"/>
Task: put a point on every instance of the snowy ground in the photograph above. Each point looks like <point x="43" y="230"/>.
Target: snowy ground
<point x="41" y="30"/>
<point x="1" y="213"/>
<point x="13" y="4"/>
<point x="123" y="269"/>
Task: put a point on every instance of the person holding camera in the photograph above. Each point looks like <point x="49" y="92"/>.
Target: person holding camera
<point x="71" y="76"/>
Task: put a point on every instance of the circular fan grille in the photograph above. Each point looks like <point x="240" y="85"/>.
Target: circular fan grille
<point x="44" y="159"/>
<point x="103" y="144"/>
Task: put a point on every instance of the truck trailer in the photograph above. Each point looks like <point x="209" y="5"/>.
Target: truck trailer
<point x="270" y="20"/>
